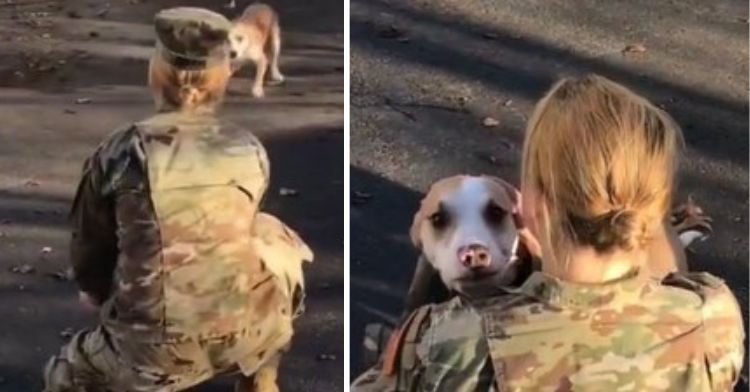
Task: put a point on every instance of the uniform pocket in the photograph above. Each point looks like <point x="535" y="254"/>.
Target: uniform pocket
<point x="173" y="365"/>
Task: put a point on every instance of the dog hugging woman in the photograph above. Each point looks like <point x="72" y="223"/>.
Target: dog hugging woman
<point x="598" y="174"/>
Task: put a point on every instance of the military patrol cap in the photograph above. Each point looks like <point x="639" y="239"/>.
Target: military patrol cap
<point x="191" y="38"/>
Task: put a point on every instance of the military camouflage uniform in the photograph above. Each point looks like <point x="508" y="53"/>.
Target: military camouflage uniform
<point x="682" y="334"/>
<point x="191" y="279"/>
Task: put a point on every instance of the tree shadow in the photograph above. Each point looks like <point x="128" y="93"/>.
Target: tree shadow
<point x="381" y="255"/>
<point x="714" y="125"/>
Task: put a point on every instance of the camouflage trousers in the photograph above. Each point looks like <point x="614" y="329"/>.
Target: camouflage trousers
<point x="94" y="361"/>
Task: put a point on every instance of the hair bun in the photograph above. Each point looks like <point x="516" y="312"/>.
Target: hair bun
<point x="607" y="231"/>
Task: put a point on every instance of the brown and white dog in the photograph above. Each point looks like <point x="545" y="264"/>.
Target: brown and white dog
<point x="467" y="232"/>
<point x="256" y="37"/>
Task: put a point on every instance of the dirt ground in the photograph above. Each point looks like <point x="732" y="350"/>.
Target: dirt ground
<point x="73" y="71"/>
<point x="426" y="75"/>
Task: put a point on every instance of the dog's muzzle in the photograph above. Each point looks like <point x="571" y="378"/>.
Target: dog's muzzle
<point x="474" y="256"/>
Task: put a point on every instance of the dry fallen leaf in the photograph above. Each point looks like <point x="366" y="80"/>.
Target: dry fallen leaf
<point x="287" y="192"/>
<point x="359" y="198"/>
<point x="66" y="333"/>
<point x="487" y="157"/>
<point x="59" y="275"/>
<point x="22" y="269"/>
<point x="634" y="49"/>
<point x="326" y="357"/>
<point x="490" y="122"/>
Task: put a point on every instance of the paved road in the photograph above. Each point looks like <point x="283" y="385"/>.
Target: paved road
<point x="52" y="56"/>
<point x="426" y="73"/>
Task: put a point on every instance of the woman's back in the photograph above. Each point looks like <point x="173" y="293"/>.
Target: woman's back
<point x="636" y="334"/>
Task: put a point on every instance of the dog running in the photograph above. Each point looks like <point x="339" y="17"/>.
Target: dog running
<point x="256" y="38"/>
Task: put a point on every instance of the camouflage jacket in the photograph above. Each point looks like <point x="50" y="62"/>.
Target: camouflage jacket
<point x="682" y="334"/>
<point x="166" y="233"/>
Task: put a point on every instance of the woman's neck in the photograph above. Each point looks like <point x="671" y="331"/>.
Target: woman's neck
<point x="585" y="265"/>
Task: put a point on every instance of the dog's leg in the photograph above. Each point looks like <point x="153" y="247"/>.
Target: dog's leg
<point x="264" y="380"/>
<point x="261" y="65"/>
<point x="276" y="76"/>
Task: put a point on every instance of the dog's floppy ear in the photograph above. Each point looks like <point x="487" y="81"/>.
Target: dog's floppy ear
<point x="510" y="195"/>
<point x="416" y="227"/>
<point x="427" y="206"/>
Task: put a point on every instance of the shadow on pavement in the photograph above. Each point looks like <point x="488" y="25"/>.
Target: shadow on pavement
<point x="382" y="257"/>
<point x="714" y="125"/>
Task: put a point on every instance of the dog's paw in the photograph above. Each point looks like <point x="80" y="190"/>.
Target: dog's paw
<point x="276" y="79"/>
<point x="691" y="223"/>
<point x="258" y="92"/>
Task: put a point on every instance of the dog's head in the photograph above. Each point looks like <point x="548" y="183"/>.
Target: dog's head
<point x="465" y="228"/>
<point x="239" y="41"/>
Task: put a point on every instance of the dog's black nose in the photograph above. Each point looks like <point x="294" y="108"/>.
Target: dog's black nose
<point x="232" y="54"/>
<point x="474" y="256"/>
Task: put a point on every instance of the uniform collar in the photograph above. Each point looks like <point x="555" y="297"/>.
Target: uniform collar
<point x="557" y="292"/>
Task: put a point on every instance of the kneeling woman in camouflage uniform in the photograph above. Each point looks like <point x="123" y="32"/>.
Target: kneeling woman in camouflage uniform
<point x="190" y="279"/>
<point x="598" y="169"/>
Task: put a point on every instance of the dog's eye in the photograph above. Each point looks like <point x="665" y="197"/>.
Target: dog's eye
<point x="494" y="214"/>
<point x="238" y="38"/>
<point x="439" y="220"/>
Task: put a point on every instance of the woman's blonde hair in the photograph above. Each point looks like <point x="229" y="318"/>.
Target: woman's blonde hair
<point x="187" y="89"/>
<point x="603" y="160"/>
